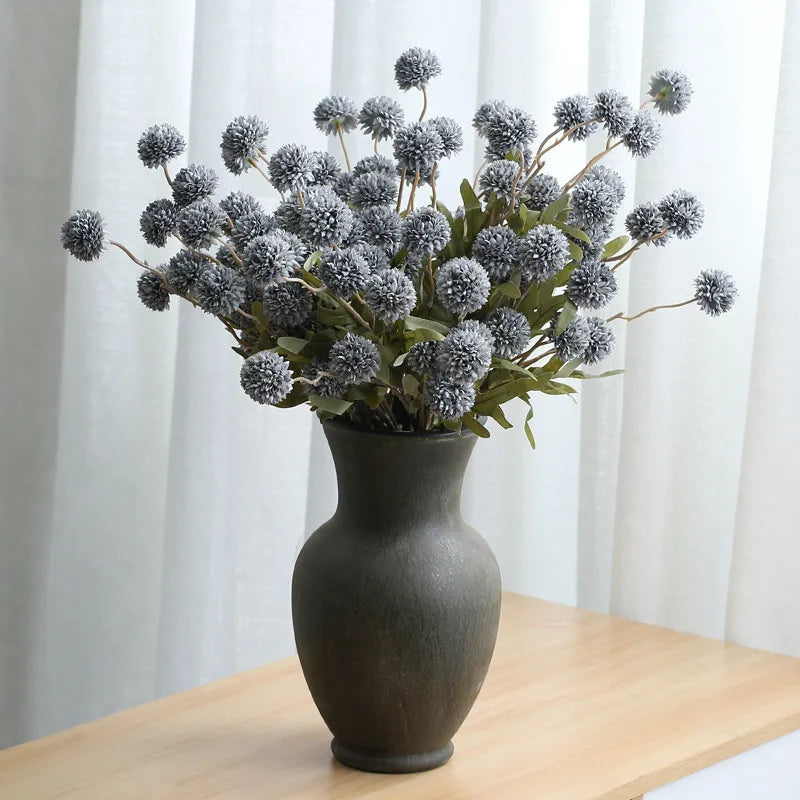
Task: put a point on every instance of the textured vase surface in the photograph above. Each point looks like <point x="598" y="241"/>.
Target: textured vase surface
<point x="395" y="601"/>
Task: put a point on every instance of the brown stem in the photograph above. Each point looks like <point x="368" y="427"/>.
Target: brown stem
<point x="433" y="185"/>
<point x="620" y="315"/>
<point x="602" y="154"/>
<point x="166" y="174"/>
<point x="375" y="143"/>
<point x="400" y="190"/>
<point x="230" y="249"/>
<point x="478" y="174"/>
<point x="628" y="254"/>
<point x="344" y="149"/>
<point x="510" y="210"/>
<point x="199" y="252"/>
<point x="353" y="313"/>
<point x="424" y="102"/>
<point x="520" y="358"/>
<point x="413" y="191"/>
<point x="263" y="174"/>
<point x="133" y="258"/>
<point x="300" y="198"/>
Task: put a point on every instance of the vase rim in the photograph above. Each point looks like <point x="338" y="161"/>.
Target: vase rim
<point x="429" y="435"/>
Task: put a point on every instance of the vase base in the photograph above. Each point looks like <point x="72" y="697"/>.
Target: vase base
<point x="376" y="761"/>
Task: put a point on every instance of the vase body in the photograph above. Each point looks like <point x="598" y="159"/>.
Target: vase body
<point x="395" y="601"/>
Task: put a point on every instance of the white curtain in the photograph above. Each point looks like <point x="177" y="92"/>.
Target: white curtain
<point x="150" y="513"/>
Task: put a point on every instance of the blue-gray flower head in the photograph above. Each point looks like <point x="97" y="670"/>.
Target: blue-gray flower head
<point x="242" y="142"/>
<point x="193" y="183"/>
<point x="335" y="112"/>
<point x="300" y="248"/>
<point x="683" y="213"/>
<point x="415" y="68"/>
<point x="325" y="385"/>
<point x="715" y="291"/>
<point x="183" y="270"/>
<point x="498" y="177"/>
<point x="614" y="110"/>
<point x="449" y="399"/>
<point x="542" y="252"/>
<point x="574" y="340"/>
<point x="592" y="284"/>
<point x="511" y="331"/>
<point x="411" y="266"/>
<point x="219" y="290"/>
<point x="646" y="221"/>
<point x="374" y="163"/>
<point x="462" y="285"/>
<point x="288" y="305"/>
<point x="84" y="235"/>
<point x="343" y="271"/>
<point x="380" y="117"/>
<point x="495" y="249"/>
<point x="354" y="359"/>
<point x="644" y="135"/>
<point x="249" y="225"/>
<point x="237" y="203"/>
<point x="373" y="189"/>
<point x="287" y="215"/>
<point x="593" y="201"/>
<point x="326" y="170"/>
<point x="376" y="258"/>
<point x="465" y="355"/>
<point x="343" y="184"/>
<point x="541" y="191"/>
<point x="510" y="131"/>
<point x="266" y="377"/>
<point x="601" y="340"/>
<point x="421" y="358"/>
<point x="291" y="168"/>
<point x="325" y="220"/>
<point x="575" y="110"/>
<point x="382" y="226"/>
<point x="269" y="258"/>
<point x="487" y="112"/>
<point x="391" y="295"/>
<point x="225" y="256"/>
<point x="451" y="134"/>
<point x="200" y="222"/>
<point x="418" y="146"/>
<point x="671" y="91"/>
<point x="598" y="235"/>
<point x="460" y="213"/>
<point x="159" y="144"/>
<point x="610" y="177"/>
<point x="478" y="328"/>
<point x="152" y="290"/>
<point x="497" y="154"/>
<point x="425" y="231"/>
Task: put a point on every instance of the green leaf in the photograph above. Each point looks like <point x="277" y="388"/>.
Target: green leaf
<point x="443" y="209"/>
<point x="312" y="261"/>
<point x="292" y="344"/>
<point x="584" y="376"/>
<point x="487" y="401"/>
<point x="614" y="246"/>
<point x="552" y="211"/>
<point x="508" y="289"/>
<point x="568" y="313"/>
<point x="568" y="368"/>
<point x="295" y="398"/>
<point x="468" y="196"/>
<point x="452" y="424"/>
<point x="500" y="418"/>
<point x="418" y="323"/>
<point x="333" y="405"/>
<point x="575" y="252"/>
<point x="410" y="385"/>
<point x="475" y="426"/>
<point x="523" y="213"/>
<point x="575" y="233"/>
<point x="528" y="431"/>
<point x="511" y="366"/>
<point x="400" y="359"/>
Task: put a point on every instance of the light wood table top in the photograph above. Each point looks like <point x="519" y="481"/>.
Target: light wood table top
<point x="576" y="706"/>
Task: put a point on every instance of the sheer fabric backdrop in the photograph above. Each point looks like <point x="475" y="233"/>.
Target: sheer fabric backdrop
<point x="150" y="513"/>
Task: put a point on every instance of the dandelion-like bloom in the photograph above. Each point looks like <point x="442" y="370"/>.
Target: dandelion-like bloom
<point x="510" y="131"/>
<point x="601" y="340"/>
<point x="159" y="144"/>
<point x="614" y="110"/>
<point x="335" y="112"/>
<point x="382" y="227"/>
<point x="183" y="270"/>
<point x="248" y="226"/>
<point x="343" y="184"/>
<point x="376" y="258"/>
<point x="425" y="231"/>
<point x="592" y="284"/>
<point x="498" y="177"/>
<point x="193" y="183"/>
<point x="391" y="295"/>
<point x="495" y="249"/>
<point x="644" y="135"/>
<point x="511" y="331"/>
<point x="374" y="163"/>
<point x="450" y="132"/>
<point x="288" y="305"/>
<point x="573" y="341"/>
<point x="415" y="68"/>
<point x="486" y="113"/>
<point x="671" y="91"/>
<point x="715" y="291"/>
<point x="593" y="201"/>
<point x="325" y="385"/>
<point x="291" y="168"/>
<point x="343" y="271"/>
<point x="462" y="285"/>
<point x="200" y="222"/>
<point x="354" y="359"/>
<point x="683" y="213"/>
<point x="157" y="221"/>
<point x="325" y="220"/>
<point x="83" y="235"/>
<point x="575" y="110"/>
<point x="646" y="221"/>
<point x="541" y="191"/>
<point x="152" y="291"/>
<point x="380" y="117"/>
<point x="373" y="189"/>
<point x="242" y="142"/>
<point x="266" y="377"/>
<point x="449" y="399"/>
<point x="465" y="355"/>
<point x="287" y="215"/>
<point x="542" y="252"/>
<point x="269" y="258"/>
<point x="610" y="177"/>
<point x="421" y="358"/>
<point x="219" y="290"/>
<point x="418" y="146"/>
<point x="237" y="203"/>
<point x="326" y="169"/>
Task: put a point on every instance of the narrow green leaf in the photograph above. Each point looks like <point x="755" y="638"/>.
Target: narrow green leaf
<point x="468" y="196"/>
<point x="417" y="323"/>
<point x="511" y="366"/>
<point x="528" y="431"/>
<point x="586" y="377"/>
<point x="410" y="385"/>
<point x="508" y="289"/>
<point x="575" y="233"/>
<point x="575" y="252"/>
<point x="552" y="211"/>
<point x="614" y="246"/>
<point x="332" y="405"/>
<point x="475" y="426"/>
<point x="568" y="313"/>
<point x="569" y="368"/>
<point x="400" y="359"/>
<point x="443" y="209"/>
<point x="292" y="344"/>
<point x="500" y="418"/>
<point x="523" y="213"/>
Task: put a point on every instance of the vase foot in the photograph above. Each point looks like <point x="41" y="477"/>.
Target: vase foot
<point x="376" y="761"/>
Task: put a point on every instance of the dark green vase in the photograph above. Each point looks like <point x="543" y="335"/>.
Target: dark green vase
<point x="395" y="601"/>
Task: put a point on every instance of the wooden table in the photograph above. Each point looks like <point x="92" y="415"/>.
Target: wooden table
<point x="577" y="705"/>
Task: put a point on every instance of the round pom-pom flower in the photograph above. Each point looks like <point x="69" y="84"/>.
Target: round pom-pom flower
<point x="425" y="231"/>
<point x="465" y="354"/>
<point x="288" y="305"/>
<point x="542" y="251"/>
<point x="183" y="270"/>
<point x="243" y="142"/>
<point x="193" y="183"/>
<point x="391" y="295"/>
<point x="495" y="249"/>
<point x="573" y="341"/>
<point x="715" y="291"/>
<point x="374" y="163"/>
<point x="671" y="91"/>
<point x="325" y="384"/>
<point x="325" y="220"/>
<point x="343" y="271"/>
<point x="343" y="184"/>
<point x="269" y="258"/>
<point x="575" y="110"/>
<point x="422" y="357"/>
<point x="592" y="284"/>
<point x="498" y="177"/>
<point x="334" y="113"/>
<point x="354" y="359"/>
<point x="380" y="117"/>
<point x="326" y="169"/>
<point x="157" y="222"/>
<point x="462" y="285"/>
<point x="291" y="168"/>
<point x="601" y="340"/>
<point x="510" y="130"/>
<point x="541" y="191"/>
<point x="511" y="332"/>
<point x="610" y="177"/>
<point x="266" y="377"/>
<point x="646" y="221"/>
<point x="486" y="113"/>
<point x="415" y="68"/>
<point x="287" y="215"/>
<point x="614" y="110"/>
<point x="593" y="202"/>
<point x="160" y="144"/>
<point x="237" y="203"/>
<point x="683" y="213"/>
<point x="451" y="134"/>
<point x="200" y="222"/>
<point x="219" y="290"/>
<point x="152" y="290"/>
<point x="248" y="226"/>
<point x="382" y="227"/>
<point x="449" y="399"/>
<point x="83" y="235"/>
<point x="373" y="189"/>
<point x="417" y="147"/>
<point x="376" y="258"/>
<point x="644" y="135"/>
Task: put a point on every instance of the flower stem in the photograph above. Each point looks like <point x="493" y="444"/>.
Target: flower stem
<point x="230" y="249"/>
<point x="626" y="256"/>
<point x="410" y="206"/>
<point x="478" y="174"/>
<point x="199" y="252"/>
<point x="602" y="154"/>
<point x="424" y="102"/>
<point x="375" y="143"/>
<point x="344" y="149"/>
<point x="300" y="198"/>
<point x="133" y="258"/>
<point x="400" y="190"/>
<point x="258" y="169"/>
<point x="433" y="185"/>
<point x="166" y="174"/>
<point x="620" y="315"/>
